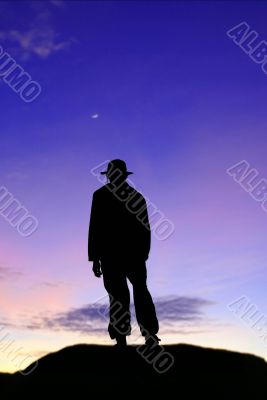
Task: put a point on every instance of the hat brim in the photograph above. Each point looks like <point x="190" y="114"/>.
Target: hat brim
<point x="126" y="173"/>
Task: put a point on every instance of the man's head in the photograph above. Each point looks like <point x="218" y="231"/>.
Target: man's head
<point x="117" y="172"/>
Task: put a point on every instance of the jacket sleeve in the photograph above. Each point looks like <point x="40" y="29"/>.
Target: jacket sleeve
<point x="146" y="232"/>
<point x="94" y="232"/>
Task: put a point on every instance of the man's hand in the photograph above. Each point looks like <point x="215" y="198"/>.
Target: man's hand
<point x="97" y="268"/>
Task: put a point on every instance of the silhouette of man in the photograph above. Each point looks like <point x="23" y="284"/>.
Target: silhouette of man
<point x="119" y="245"/>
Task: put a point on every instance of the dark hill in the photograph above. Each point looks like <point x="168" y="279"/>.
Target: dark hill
<point x="87" y="370"/>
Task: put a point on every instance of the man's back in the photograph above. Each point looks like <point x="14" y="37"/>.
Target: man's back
<point x="116" y="232"/>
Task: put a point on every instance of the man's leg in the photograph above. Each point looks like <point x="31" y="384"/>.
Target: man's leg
<point x="116" y="285"/>
<point x="144" y="306"/>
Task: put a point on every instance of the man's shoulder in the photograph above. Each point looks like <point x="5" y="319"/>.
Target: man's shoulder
<point x="101" y="191"/>
<point x="107" y="189"/>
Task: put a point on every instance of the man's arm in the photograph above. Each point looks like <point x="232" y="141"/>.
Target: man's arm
<point x="94" y="238"/>
<point x="145" y="234"/>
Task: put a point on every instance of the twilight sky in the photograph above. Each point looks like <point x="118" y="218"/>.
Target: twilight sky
<point x="161" y="85"/>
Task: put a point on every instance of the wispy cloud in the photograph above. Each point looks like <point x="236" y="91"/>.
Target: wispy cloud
<point x="9" y="273"/>
<point x="58" y="3"/>
<point x="17" y="175"/>
<point x="52" y="284"/>
<point x="40" y="39"/>
<point x="90" y="318"/>
<point x="175" y="308"/>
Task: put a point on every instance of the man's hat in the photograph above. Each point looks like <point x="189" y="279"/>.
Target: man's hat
<point x="116" y="165"/>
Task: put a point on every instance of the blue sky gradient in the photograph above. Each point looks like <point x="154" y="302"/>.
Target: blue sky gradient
<point x="181" y="103"/>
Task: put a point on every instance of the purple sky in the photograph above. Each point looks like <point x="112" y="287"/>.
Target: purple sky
<point x="181" y="103"/>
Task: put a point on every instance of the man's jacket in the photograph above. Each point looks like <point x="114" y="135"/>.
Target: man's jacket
<point x="114" y="231"/>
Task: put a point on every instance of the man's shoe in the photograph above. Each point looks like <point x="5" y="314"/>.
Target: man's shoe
<point x="152" y="340"/>
<point x="121" y="341"/>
